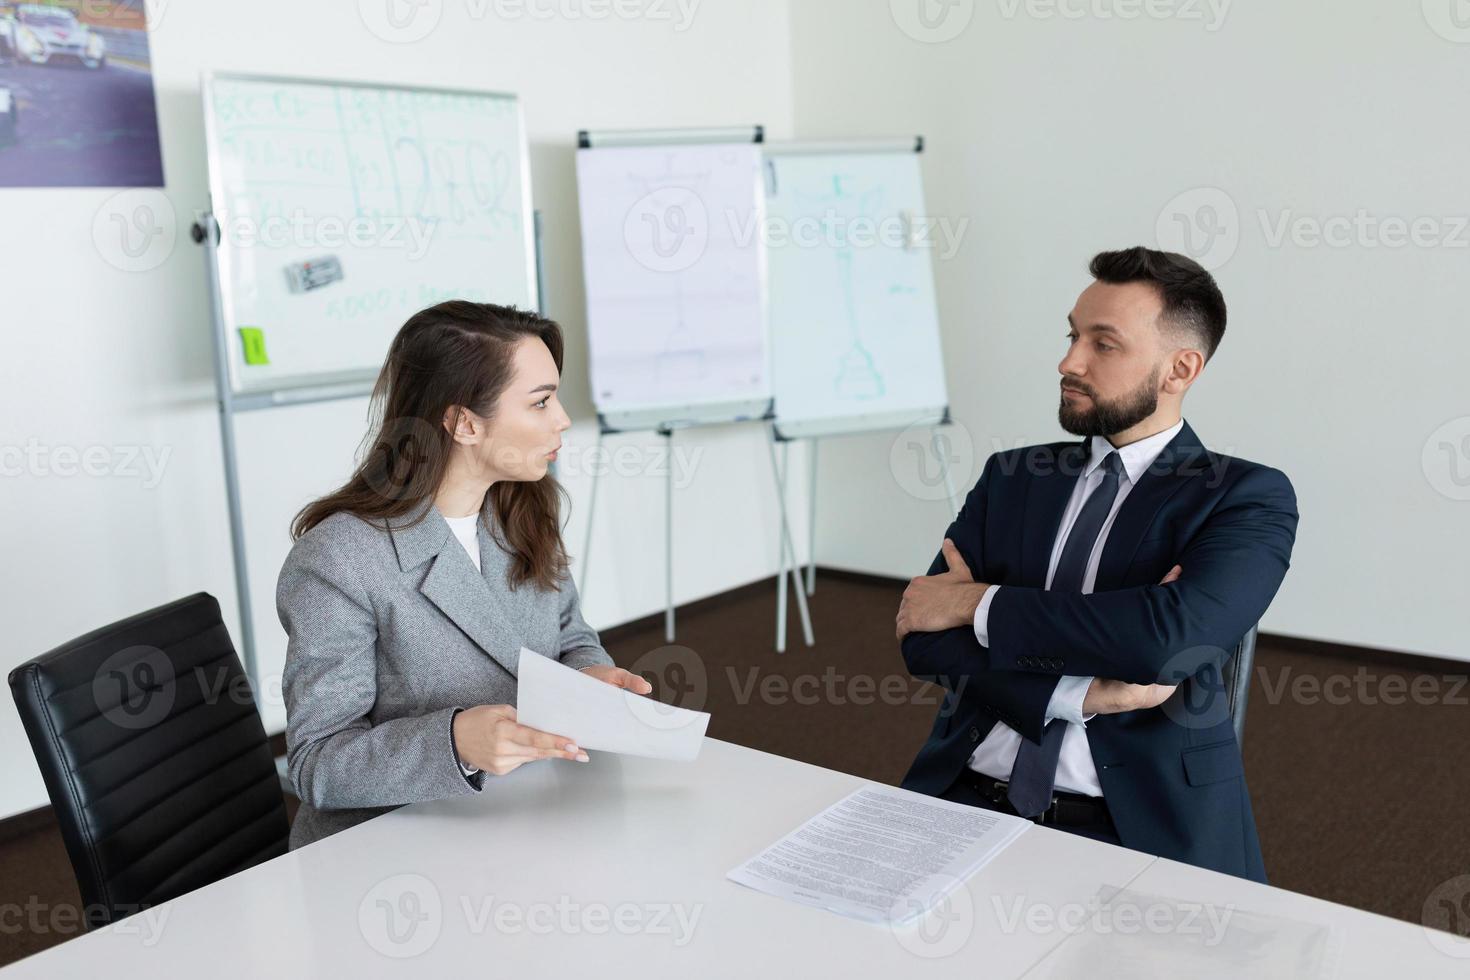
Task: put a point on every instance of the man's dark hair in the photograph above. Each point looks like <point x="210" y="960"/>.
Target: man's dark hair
<point x="1192" y="301"/>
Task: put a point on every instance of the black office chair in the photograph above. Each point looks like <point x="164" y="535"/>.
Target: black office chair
<point x="154" y="757"/>
<point x="1236" y="675"/>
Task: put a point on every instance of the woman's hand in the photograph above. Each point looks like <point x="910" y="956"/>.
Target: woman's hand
<point x="488" y="738"/>
<point x="618" y="677"/>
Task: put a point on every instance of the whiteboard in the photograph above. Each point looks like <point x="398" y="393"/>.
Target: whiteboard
<point x="675" y="277"/>
<point x="854" y="319"/>
<point x="418" y="195"/>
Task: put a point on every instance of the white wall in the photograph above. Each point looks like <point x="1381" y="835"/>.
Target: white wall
<point x="100" y="357"/>
<point x="1058" y="136"/>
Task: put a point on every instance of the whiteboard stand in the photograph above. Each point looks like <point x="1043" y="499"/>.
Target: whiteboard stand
<point x="591" y="509"/>
<point x="668" y="435"/>
<point x="667" y="431"/>
<point x="811" y="520"/>
<point x="811" y="568"/>
<point x="881" y="380"/>
<point x="663" y="418"/>
<point x="206" y="232"/>
<point x="943" y="459"/>
<point x="536" y="224"/>
<point x="787" y="560"/>
<point x="781" y="559"/>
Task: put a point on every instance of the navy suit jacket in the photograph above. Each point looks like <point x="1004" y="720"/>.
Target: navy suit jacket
<point x="1172" y="775"/>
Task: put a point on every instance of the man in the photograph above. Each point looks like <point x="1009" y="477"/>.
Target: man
<point x="1088" y="594"/>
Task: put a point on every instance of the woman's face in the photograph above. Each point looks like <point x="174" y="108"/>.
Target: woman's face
<point x="520" y="441"/>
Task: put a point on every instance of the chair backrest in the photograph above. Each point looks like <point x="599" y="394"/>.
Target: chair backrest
<point x="154" y="756"/>
<point x="1237" y="678"/>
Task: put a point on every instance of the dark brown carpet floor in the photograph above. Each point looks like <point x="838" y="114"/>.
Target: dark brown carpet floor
<point x="1355" y="762"/>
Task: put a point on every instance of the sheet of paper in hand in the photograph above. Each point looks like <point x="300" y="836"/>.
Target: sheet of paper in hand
<point x="553" y="697"/>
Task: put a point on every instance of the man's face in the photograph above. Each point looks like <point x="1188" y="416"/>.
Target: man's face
<point x="1111" y="374"/>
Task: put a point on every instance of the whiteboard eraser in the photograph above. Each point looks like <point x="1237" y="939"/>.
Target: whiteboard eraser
<point x="303" y="277"/>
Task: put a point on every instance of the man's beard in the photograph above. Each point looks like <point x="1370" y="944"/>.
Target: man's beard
<point x="1108" y="418"/>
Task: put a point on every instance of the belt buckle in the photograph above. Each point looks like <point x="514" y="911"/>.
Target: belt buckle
<point x="1002" y="787"/>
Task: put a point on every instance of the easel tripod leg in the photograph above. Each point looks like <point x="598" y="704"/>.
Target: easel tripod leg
<point x="943" y="458"/>
<point x="591" y="512"/>
<point x="788" y="547"/>
<point x="811" y="528"/>
<point x="669" y="540"/>
<point x="781" y="560"/>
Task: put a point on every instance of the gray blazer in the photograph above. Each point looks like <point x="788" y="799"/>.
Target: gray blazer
<point x="390" y="633"/>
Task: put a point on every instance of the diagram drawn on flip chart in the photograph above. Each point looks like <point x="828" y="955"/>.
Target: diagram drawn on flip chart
<point x="675" y="278"/>
<point x="854" y="319"/>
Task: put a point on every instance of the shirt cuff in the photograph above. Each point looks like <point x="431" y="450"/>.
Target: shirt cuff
<point x="467" y="770"/>
<point x="982" y="616"/>
<point x="1066" y="701"/>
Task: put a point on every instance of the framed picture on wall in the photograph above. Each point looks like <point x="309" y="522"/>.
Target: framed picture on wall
<point x="76" y="95"/>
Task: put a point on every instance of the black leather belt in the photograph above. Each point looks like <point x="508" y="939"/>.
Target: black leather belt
<point x="1066" y="810"/>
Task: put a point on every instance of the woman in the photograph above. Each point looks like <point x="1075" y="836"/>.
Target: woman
<point x="411" y="590"/>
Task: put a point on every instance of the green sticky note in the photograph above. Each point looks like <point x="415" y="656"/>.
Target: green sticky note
<point x="254" y="340"/>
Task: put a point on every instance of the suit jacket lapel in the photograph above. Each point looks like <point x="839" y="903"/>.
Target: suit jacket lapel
<point x="452" y="584"/>
<point x="1046" y="500"/>
<point x="1181" y="458"/>
<point x="460" y="593"/>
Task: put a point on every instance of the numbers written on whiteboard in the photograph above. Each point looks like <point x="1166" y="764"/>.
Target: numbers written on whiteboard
<point x="286" y="159"/>
<point x="260" y="108"/>
<point x="355" y="305"/>
<point x="398" y="303"/>
<point x="456" y="182"/>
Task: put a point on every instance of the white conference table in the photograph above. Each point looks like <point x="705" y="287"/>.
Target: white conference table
<point x="616" y="868"/>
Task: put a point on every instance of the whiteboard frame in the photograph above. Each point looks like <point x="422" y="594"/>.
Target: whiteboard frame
<point x="853" y="425"/>
<point x="862" y="422"/>
<point x="349" y="383"/>
<point x="796" y="148"/>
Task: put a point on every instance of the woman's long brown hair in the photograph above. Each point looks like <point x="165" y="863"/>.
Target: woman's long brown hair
<point x="455" y="354"/>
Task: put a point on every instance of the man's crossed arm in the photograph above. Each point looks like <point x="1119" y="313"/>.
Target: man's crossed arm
<point x="949" y="601"/>
<point x="1138" y="643"/>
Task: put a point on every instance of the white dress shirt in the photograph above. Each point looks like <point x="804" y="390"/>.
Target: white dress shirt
<point x="1076" y="773"/>
<point x="465" y="529"/>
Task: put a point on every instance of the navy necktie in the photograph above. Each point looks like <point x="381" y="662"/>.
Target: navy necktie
<point x="1035" y="771"/>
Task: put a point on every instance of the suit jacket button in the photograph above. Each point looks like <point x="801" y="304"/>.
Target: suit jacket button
<point x="974" y="734"/>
